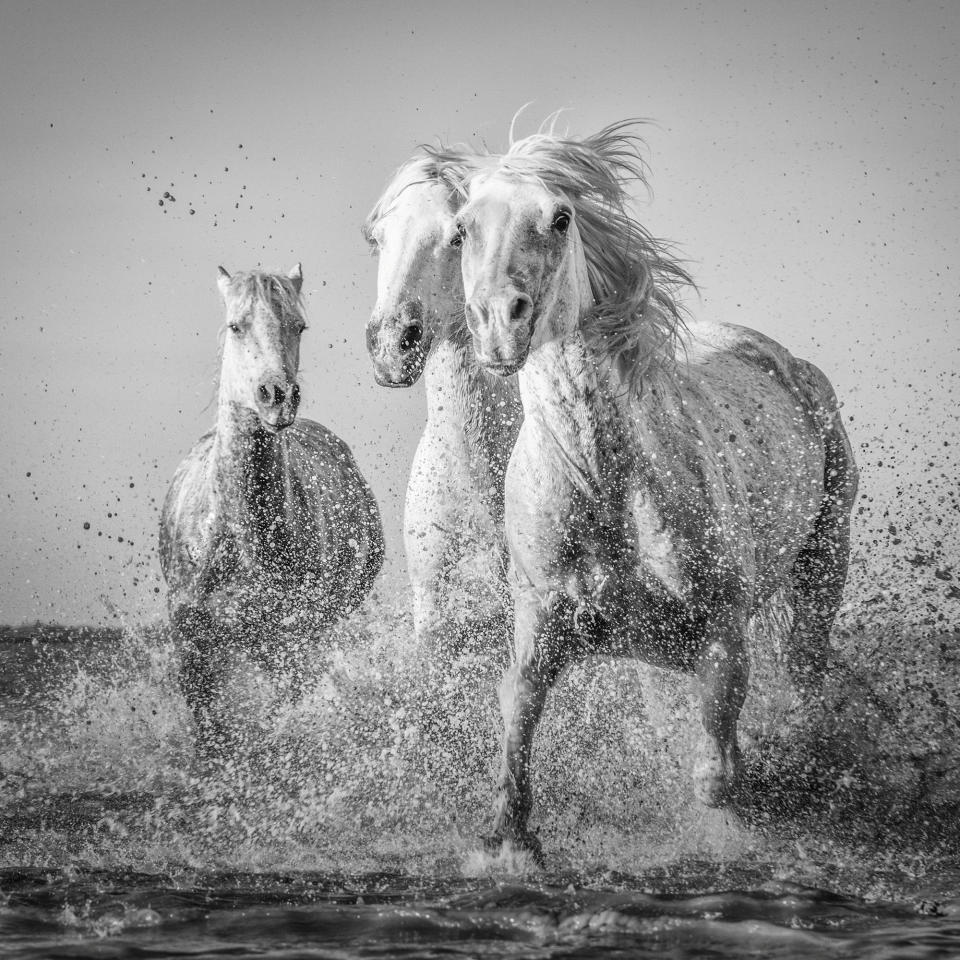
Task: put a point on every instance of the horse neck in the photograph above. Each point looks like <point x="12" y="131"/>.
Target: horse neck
<point x="572" y="394"/>
<point x="249" y="475"/>
<point x="461" y="397"/>
<point x="561" y="388"/>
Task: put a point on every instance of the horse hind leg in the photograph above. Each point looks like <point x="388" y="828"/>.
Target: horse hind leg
<point x="820" y="572"/>
<point x="722" y="674"/>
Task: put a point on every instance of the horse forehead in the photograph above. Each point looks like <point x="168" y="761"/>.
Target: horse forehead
<point x="503" y="197"/>
<point x="422" y="207"/>
<point x="263" y="316"/>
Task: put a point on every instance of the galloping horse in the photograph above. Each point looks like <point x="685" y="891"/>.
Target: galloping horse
<point x="454" y="504"/>
<point x="268" y="527"/>
<point x="668" y="478"/>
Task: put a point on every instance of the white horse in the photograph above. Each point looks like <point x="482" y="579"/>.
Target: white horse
<point x="666" y="481"/>
<point x="268" y="528"/>
<point x="453" y="514"/>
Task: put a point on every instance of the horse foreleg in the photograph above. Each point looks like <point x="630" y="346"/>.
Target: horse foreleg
<point x="539" y="660"/>
<point x="722" y="672"/>
<point x="428" y="620"/>
<point x="201" y="677"/>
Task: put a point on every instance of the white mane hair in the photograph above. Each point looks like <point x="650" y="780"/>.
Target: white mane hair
<point x="635" y="279"/>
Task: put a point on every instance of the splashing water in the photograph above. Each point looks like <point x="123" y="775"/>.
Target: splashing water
<point x="353" y="815"/>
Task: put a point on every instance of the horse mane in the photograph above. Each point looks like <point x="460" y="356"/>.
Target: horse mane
<point x="635" y="279"/>
<point x="275" y="289"/>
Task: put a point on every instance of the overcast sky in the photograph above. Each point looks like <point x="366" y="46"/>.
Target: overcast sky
<point x="805" y="159"/>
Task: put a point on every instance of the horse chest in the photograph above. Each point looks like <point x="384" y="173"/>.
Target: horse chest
<point x="568" y="529"/>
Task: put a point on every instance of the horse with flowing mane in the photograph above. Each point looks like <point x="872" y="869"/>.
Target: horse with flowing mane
<point x="453" y="513"/>
<point x="268" y="530"/>
<point x="668" y="478"/>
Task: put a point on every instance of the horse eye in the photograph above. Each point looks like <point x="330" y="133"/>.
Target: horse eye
<point x="561" y="221"/>
<point x="234" y="327"/>
<point x="457" y="239"/>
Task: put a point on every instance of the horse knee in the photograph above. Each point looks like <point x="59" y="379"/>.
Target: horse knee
<point x="508" y="692"/>
<point x="716" y="773"/>
<point x="724" y="667"/>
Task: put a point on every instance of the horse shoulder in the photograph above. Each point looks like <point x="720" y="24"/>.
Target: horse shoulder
<point x="188" y="515"/>
<point x="347" y="532"/>
<point x="335" y="489"/>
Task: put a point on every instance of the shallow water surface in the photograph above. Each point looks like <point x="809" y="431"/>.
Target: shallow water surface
<point x="116" y="914"/>
<point x="349" y="823"/>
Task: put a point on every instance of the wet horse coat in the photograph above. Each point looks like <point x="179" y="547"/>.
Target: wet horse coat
<point x="453" y="512"/>
<point x="666" y="481"/>
<point x="268" y="531"/>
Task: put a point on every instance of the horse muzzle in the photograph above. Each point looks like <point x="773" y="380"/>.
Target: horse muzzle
<point x="277" y="404"/>
<point x="504" y="366"/>
<point x="502" y="330"/>
<point x="397" y="347"/>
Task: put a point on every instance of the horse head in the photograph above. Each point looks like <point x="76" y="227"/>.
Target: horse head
<point x="261" y="349"/>
<point x="412" y="230"/>
<point x="550" y="244"/>
<point x="520" y="251"/>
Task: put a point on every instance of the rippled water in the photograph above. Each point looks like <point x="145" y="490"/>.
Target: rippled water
<point x="113" y="914"/>
<point x="349" y="824"/>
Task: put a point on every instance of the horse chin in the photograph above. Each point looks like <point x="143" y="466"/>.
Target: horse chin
<point x="407" y="376"/>
<point x="504" y="368"/>
<point x="276" y="428"/>
<point x="405" y="380"/>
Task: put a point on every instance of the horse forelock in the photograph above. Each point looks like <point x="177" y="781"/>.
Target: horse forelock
<point x="634" y="277"/>
<point x="448" y="166"/>
<point x="275" y="290"/>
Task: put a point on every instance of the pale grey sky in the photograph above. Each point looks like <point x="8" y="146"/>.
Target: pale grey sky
<point x="805" y="159"/>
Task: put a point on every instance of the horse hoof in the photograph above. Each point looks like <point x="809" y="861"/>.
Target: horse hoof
<point x="524" y="843"/>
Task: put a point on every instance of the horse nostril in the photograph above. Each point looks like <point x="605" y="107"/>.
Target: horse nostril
<point x="271" y="394"/>
<point x="295" y="394"/>
<point x="411" y="336"/>
<point x="521" y="307"/>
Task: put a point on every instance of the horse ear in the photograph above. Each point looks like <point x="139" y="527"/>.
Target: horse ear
<point x="296" y="275"/>
<point x="223" y="281"/>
